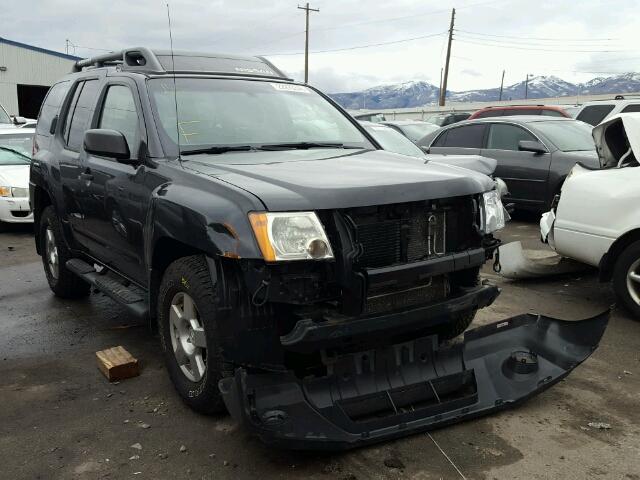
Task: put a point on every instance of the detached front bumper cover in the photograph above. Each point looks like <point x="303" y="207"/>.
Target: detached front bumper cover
<point x="406" y="388"/>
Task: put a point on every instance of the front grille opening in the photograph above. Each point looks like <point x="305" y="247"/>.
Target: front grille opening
<point x="433" y="397"/>
<point x="20" y="213"/>
<point x="389" y="235"/>
<point x="435" y="290"/>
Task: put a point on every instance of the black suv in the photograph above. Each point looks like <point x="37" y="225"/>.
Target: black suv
<point x="297" y="274"/>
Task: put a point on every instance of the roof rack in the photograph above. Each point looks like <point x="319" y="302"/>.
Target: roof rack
<point x="144" y="60"/>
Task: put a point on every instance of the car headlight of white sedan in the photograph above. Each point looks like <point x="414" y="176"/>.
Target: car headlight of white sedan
<point x="492" y="212"/>
<point x="286" y="236"/>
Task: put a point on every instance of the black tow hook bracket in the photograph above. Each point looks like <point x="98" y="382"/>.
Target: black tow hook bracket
<point x="262" y="289"/>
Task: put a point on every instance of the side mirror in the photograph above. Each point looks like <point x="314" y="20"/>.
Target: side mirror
<point x="19" y="120"/>
<point x="107" y="143"/>
<point x="426" y="149"/>
<point x="532" y="146"/>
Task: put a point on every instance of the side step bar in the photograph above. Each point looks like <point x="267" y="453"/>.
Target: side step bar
<point x="129" y="298"/>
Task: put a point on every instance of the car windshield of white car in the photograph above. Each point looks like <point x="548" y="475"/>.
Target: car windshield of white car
<point x="15" y="149"/>
<point x="568" y="136"/>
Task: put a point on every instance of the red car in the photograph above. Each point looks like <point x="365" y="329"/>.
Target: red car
<point x="552" y="111"/>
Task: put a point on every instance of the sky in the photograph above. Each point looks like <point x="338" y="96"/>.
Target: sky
<point x="405" y="40"/>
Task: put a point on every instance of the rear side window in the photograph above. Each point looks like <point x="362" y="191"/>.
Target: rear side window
<point x="490" y="113"/>
<point x="631" y="108"/>
<point x="469" y="136"/>
<point x="51" y="107"/>
<point x="119" y="113"/>
<point x="594" y="114"/>
<point x="503" y="136"/>
<point x="552" y="113"/>
<point x="522" y="111"/>
<point x="80" y="110"/>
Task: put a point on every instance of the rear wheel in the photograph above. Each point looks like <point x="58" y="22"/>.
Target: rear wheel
<point x="55" y="254"/>
<point x="626" y="278"/>
<point x="187" y="322"/>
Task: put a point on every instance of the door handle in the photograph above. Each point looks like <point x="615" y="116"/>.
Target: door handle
<point x="86" y="176"/>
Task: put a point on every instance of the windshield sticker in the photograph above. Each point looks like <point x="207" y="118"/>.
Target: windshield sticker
<point x="287" y="87"/>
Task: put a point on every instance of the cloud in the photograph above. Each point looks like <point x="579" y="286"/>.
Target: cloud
<point x="277" y="26"/>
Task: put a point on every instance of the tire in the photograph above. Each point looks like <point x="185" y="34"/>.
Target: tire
<point x="458" y="324"/>
<point x="627" y="290"/>
<point x="63" y="282"/>
<point x="189" y="278"/>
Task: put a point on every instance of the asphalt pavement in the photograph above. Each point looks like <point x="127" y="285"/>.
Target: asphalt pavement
<point x="61" y="419"/>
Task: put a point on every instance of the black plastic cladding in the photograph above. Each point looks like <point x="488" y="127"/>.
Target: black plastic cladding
<point x="407" y="388"/>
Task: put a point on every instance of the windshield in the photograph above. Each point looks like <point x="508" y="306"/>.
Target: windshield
<point x="15" y="149"/>
<point x="415" y="131"/>
<point x="4" y="116"/>
<point x="393" y="141"/>
<point x="220" y="112"/>
<point x="568" y="136"/>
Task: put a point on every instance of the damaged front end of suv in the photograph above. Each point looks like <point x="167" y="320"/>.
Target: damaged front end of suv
<point x="342" y="339"/>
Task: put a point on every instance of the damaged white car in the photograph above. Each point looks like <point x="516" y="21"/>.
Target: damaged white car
<point x="595" y="219"/>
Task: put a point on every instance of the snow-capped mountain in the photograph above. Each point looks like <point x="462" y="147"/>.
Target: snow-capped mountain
<point x="401" y="95"/>
<point x="414" y="94"/>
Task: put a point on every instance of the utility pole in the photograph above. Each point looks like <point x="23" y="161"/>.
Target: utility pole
<point x="526" y="87"/>
<point x="66" y="46"/>
<point x="306" y="40"/>
<point x="501" y="85"/>
<point x="440" y="90"/>
<point x="443" y="90"/>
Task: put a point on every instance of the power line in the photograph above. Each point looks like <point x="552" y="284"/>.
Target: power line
<point x="538" y="38"/>
<point x="358" y="46"/>
<point x="549" y="44"/>
<point x="502" y="45"/>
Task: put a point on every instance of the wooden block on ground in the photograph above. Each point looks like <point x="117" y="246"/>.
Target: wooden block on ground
<point x="117" y="364"/>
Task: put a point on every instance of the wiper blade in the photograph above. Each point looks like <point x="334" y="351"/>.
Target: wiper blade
<point x="302" y="145"/>
<point x="17" y="152"/>
<point x="218" y="149"/>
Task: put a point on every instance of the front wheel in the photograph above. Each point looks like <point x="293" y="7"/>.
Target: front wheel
<point x="626" y="278"/>
<point x="187" y="322"/>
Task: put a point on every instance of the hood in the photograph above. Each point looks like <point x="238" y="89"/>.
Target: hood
<point x="477" y="163"/>
<point x="14" y="176"/>
<point x="615" y="136"/>
<point x="320" y="179"/>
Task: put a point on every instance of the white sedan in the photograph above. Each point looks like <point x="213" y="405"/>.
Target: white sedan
<point x="15" y="158"/>
<point x="596" y="220"/>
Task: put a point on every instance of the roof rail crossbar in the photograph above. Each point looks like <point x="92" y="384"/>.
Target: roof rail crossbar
<point x="140" y="58"/>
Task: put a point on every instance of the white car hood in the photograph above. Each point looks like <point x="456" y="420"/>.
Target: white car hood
<point x="608" y="141"/>
<point x="14" y="176"/>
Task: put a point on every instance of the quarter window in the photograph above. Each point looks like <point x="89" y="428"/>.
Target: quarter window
<point x="594" y="114"/>
<point x="119" y="113"/>
<point x="631" y="108"/>
<point x="51" y="106"/>
<point x="503" y="136"/>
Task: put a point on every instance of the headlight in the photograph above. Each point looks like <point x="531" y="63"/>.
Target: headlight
<point x="491" y="212"/>
<point x="5" y="191"/>
<point x="290" y="236"/>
